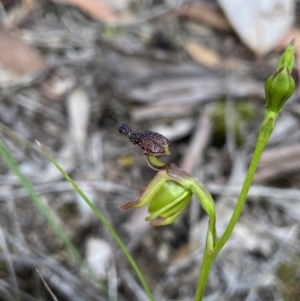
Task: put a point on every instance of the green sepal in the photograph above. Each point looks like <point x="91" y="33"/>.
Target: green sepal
<point x="150" y="191"/>
<point x="163" y="221"/>
<point x="280" y="86"/>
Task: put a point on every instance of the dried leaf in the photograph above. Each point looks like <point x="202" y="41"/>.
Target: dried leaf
<point x="29" y="4"/>
<point x="202" y="54"/>
<point x="18" y="57"/>
<point x="260" y="24"/>
<point x="206" y="14"/>
<point x="95" y="8"/>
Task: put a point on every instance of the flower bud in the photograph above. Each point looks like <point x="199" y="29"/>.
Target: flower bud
<point x="280" y="86"/>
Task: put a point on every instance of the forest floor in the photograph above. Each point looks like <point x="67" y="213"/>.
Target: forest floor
<point x="70" y="74"/>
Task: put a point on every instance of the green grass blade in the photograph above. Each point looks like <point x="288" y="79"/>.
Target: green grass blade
<point x="106" y="224"/>
<point x="13" y="166"/>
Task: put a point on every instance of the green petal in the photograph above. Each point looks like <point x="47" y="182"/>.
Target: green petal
<point x="151" y="190"/>
<point x="167" y="220"/>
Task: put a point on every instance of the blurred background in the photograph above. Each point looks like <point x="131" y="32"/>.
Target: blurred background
<point x="72" y="71"/>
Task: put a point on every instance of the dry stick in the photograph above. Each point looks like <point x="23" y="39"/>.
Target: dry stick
<point x="46" y="286"/>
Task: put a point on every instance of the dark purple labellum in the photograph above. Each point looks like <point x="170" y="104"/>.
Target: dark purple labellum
<point x="151" y="142"/>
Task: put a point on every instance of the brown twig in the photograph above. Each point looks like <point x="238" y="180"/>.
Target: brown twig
<point x="46" y="286"/>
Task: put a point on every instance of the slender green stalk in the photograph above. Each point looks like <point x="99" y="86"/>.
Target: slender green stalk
<point x="106" y="224"/>
<point x="207" y="261"/>
<point x="13" y="166"/>
<point x="279" y="87"/>
<point x="264" y="134"/>
<point x="209" y="256"/>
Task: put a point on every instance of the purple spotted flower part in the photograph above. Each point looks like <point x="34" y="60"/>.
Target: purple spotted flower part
<point x="151" y="142"/>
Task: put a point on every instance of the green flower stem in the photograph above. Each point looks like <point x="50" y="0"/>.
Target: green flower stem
<point x="207" y="261"/>
<point x="266" y="129"/>
<point x="209" y="256"/>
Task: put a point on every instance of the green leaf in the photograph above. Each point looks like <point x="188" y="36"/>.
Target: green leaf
<point x="105" y="223"/>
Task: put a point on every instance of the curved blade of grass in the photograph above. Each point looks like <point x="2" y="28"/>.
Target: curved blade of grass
<point x="105" y="223"/>
<point x="13" y="166"/>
